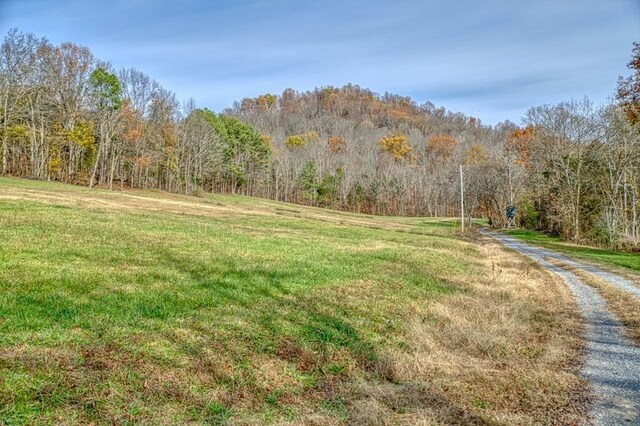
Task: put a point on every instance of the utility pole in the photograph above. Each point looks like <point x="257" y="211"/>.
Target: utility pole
<point x="461" y="199"/>
<point x="634" y="215"/>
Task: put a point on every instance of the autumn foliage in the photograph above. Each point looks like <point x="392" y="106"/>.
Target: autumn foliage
<point x="266" y="139"/>
<point x="397" y="146"/>
<point x="442" y="146"/>
<point x="335" y="143"/>
<point x="628" y="91"/>
<point x="300" y="140"/>
<point x="519" y="142"/>
<point x="476" y="155"/>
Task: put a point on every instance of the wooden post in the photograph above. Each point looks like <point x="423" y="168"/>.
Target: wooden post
<point x="461" y="199"/>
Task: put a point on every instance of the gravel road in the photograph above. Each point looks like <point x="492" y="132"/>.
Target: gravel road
<point x="613" y="279"/>
<point x="612" y="362"/>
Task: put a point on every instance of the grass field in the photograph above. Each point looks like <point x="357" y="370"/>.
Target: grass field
<point x="627" y="260"/>
<point x="146" y="307"/>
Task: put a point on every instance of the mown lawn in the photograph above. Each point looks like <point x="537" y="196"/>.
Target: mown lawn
<point x="627" y="260"/>
<point x="147" y="307"/>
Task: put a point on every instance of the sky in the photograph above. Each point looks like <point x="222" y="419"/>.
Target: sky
<point x="491" y="59"/>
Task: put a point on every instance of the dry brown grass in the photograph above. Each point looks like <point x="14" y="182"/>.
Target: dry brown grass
<point x="507" y="347"/>
<point x="505" y="350"/>
<point x="219" y="206"/>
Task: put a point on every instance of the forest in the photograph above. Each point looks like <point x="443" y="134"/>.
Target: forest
<point x="572" y="169"/>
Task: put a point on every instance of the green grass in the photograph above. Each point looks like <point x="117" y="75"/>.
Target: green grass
<point x="627" y="260"/>
<point x="112" y="312"/>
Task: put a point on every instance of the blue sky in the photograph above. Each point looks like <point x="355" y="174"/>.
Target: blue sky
<point x="491" y="59"/>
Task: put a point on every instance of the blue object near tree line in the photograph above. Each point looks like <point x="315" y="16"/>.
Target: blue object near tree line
<point x="511" y="212"/>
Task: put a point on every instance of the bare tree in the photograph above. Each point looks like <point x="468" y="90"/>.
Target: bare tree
<point x="567" y="138"/>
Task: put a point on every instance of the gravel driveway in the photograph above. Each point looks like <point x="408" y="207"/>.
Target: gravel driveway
<point x="612" y="362"/>
<point x="613" y="279"/>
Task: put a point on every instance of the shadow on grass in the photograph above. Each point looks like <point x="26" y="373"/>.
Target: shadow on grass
<point x="218" y="315"/>
<point x="273" y="309"/>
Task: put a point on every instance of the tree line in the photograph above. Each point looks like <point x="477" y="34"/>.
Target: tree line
<point x="68" y="116"/>
<point x="571" y="169"/>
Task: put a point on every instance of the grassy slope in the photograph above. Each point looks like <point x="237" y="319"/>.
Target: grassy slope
<point x="627" y="260"/>
<point x="142" y="306"/>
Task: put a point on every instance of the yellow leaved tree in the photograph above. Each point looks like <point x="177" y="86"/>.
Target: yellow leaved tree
<point x="298" y="141"/>
<point x="397" y="146"/>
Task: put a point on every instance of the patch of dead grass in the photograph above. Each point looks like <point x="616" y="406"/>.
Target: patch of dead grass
<point x="506" y="350"/>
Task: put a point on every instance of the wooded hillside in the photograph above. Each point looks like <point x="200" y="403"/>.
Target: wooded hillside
<point x="571" y="168"/>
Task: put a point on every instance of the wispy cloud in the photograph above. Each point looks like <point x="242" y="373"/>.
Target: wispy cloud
<point x="490" y="59"/>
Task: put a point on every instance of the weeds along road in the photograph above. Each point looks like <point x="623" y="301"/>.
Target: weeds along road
<point x="612" y="362"/>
